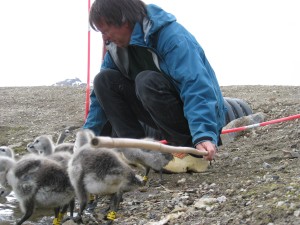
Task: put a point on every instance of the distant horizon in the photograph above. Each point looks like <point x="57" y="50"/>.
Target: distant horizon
<point x="91" y="86"/>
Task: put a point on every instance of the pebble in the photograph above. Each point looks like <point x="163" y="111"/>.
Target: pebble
<point x="297" y="213"/>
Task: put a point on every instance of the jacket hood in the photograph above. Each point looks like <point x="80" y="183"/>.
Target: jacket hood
<point x="158" y="18"/>
<point x="155" y="20"/>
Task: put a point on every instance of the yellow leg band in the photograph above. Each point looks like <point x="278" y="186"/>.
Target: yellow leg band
<point x="145" y="178"/>
<point x="60" y="216"/>
<point x="56" y="221"/>
<point x="111" y="215"/>
<point x="92" y="197"/>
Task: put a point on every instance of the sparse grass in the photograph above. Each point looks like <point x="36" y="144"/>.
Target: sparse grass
<point x="7" y="132"/>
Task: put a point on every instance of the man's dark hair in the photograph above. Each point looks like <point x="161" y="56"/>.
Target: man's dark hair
<point x="116" y="12"/>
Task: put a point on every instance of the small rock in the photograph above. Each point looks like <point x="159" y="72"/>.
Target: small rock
<point x="221" y="199"/>
<point x="204" y="202"/>
<point x="297" y="213"/>
<point x="181" y="181"/>
<point x="266" y="165"/>
<point x="291" y="154"/>
<point x="280" y="203"/>
<point x="236" y="160"/>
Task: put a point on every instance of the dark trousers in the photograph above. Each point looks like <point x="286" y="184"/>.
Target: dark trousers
<point x="151" y="99"/>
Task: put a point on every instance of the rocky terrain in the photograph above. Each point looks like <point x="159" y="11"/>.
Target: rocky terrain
<point x="254" y="179"/>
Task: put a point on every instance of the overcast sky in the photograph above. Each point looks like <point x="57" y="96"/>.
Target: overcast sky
<point x="248" y="42"/>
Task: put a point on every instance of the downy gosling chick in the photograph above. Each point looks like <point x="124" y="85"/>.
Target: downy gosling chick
<point x="40" y="182"/>
<point x="44" y="145"/>
<point x="146" y="159"/>
<point x="84" y="136"/>
<point x="6" y="164"/>
<point x="7" y="151"/>
<point x="100" y="171"/>
<point x="7" y="160"/>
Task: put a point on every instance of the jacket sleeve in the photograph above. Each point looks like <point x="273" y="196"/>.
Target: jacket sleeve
<point x="96" y="118"/>
<point x="185" y="62"/>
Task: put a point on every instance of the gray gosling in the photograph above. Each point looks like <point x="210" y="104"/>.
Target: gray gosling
<point x="65" y="133"/>
<point x="146" y="159"/>
<point x="7" y="151"/>
<point x="44" y="145"/>
<point x="84" y="136"/>
<point x="62" y="136"/>
<point x="60" y="145"/>
<point x="100" y="171"/>
<point x="4" y="192"/>
<point x="6" y="163"/>
<point x="39" y="182"/>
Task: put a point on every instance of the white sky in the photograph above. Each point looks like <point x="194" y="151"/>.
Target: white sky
<point x="248" y="42"/>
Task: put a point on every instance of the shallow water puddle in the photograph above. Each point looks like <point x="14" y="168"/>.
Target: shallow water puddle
<point x="10" y="212"/>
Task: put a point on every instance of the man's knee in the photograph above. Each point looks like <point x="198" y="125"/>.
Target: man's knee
<point x="145" y="82"/>
<point x="145" y="77"/>
<point x="102" y="78"/>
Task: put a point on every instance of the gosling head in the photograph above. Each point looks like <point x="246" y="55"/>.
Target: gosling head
<point x="4" y="191"/>
<point x="6" y="151"/>
<point x="42" y="145"/>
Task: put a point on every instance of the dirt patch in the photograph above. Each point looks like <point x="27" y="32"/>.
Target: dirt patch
<point x="254" y="179"/>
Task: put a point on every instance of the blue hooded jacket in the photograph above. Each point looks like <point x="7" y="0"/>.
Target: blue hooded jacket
<point x="178" y="55"/>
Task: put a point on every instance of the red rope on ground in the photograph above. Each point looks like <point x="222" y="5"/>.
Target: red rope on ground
<point x="297" y="116"/>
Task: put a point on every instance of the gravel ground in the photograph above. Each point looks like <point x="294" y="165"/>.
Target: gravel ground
<point x="255" y="179"/>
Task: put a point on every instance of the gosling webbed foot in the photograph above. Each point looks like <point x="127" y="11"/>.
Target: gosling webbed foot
<point x="91" y="206"/>
<point x="66" y="219"/>
<point x="78" y="219"/>
<point x="109" y="222"/>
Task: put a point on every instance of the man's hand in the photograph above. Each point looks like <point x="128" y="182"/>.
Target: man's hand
<point x="209" y="147"/>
